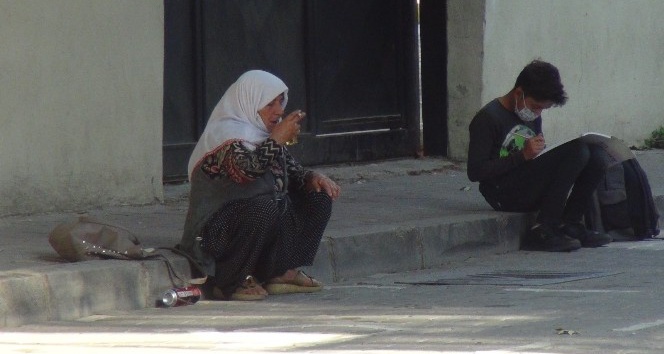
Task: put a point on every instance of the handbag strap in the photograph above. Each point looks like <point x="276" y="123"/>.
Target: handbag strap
<point x="148" y="254"/>
<point x="192" y="262"/>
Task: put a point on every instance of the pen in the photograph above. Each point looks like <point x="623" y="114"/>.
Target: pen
<point x="523" y="136"/>
<point x="526" y="137"/>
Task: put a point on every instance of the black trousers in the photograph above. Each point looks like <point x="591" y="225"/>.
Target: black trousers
<point x="543" y="184"/>
<point x="264" y="237"/>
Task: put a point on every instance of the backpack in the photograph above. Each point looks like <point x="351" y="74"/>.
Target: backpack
<point x="623" y="204"/>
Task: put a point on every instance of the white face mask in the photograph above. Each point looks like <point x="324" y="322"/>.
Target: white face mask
<point x="525" y="114"/>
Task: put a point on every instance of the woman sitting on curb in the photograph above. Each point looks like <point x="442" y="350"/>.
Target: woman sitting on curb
<point x="255" y="215"/>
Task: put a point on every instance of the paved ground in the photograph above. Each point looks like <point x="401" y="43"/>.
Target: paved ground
<point x="617" y="309"/>
<point x="393" y="216"/>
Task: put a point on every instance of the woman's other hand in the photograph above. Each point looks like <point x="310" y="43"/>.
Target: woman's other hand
<point x="288" y="128"/>
<point x="319" y="182"/>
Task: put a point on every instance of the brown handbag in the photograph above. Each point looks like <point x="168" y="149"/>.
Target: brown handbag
<point x="88" y="239"/>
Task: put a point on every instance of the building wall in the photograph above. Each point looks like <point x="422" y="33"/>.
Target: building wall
<point x="465" y="48"/>
<point x="81" y="104"/>
<point x="82" y="82"/>
<point x="608" y="52"/>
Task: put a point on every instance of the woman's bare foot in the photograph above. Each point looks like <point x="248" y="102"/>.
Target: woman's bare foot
<point x="249" y="290"/>
<point x="293" y="281"/>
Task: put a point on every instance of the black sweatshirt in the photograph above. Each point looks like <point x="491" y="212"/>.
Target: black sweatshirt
<point x="497" y="137"/>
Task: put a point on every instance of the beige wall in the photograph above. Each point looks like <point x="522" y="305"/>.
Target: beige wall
<point x="609" y="53"/>
<point x="81" y="103"/>
<point x="465" y="33"/>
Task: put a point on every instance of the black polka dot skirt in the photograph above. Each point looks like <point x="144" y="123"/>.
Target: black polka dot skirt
<point x="263" y="237"/>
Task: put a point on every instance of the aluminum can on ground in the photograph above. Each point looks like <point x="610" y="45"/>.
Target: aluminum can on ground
<point x="188" y="295"/>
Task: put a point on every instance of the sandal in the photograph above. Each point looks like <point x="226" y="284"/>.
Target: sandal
<point x="302" y="283"/>
<point x="240" y="293"/>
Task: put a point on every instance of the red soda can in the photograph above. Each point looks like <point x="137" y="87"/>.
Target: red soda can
<point x="188" y="295"/>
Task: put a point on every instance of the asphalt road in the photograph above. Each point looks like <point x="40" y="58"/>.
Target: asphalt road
<point x="605" y="300"/>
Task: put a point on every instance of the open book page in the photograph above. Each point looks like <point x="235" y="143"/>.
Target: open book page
<point x="616" y="150"/>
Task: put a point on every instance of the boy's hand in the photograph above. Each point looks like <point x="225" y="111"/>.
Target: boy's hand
<point x="533" y="147"/>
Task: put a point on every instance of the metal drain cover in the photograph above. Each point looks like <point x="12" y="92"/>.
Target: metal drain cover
<point x="513" y="277"/>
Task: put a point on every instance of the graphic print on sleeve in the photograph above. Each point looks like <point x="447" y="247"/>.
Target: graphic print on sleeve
<point x="515" y="140"/>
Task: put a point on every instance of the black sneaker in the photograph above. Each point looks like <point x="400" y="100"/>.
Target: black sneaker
<point x="587" y="237"/>
<point x="550" y="239"/>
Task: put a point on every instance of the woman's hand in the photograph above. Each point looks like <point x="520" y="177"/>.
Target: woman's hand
<point x="288" y="128"/>
<point x="319" y="182"/>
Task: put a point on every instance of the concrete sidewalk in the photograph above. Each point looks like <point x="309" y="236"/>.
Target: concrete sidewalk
<point x="392" y="216"/>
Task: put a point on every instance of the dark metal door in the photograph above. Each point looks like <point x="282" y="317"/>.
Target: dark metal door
<point x="352" y="65"/>
<point x="433" y="42"/>
<point x="182" y="89"/>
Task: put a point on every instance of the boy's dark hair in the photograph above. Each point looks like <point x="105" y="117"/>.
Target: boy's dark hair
<point x="541" y="81"/>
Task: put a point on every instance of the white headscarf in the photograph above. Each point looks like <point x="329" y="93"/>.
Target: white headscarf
<point x="236" y="114"/>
